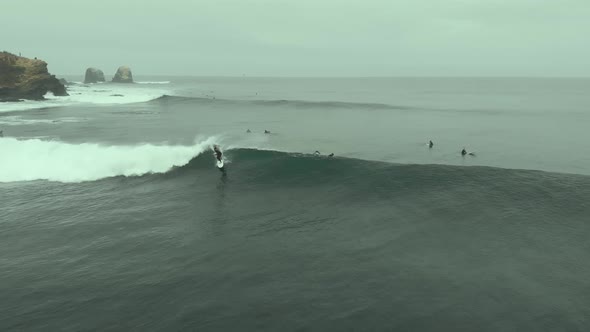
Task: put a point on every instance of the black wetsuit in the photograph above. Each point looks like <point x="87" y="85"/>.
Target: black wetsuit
<point x="463" y="152"/>
<point x="218" y="154"/>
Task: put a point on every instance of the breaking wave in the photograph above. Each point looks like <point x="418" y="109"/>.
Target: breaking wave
<point x="100" y="94"/>
<point x="35" y="159"/>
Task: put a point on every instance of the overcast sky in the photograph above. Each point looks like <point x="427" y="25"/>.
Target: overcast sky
<point x="303" y="37"/>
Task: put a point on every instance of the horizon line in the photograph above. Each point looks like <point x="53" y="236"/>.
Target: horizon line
<point x="364" y="76"/>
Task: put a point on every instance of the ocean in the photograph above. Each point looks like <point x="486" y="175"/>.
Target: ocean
<point x="114" y="216"/>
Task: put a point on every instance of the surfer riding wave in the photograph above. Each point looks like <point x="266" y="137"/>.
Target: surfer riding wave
<point x="219" y="157"/>
<point x="218" y="153"/>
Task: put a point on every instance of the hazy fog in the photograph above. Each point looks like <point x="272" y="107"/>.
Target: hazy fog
<point x="304" y="37"/>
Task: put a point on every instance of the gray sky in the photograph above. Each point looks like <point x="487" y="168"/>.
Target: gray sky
<point x="303" y="37"/>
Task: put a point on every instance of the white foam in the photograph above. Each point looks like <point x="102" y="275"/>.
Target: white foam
<point x="103" y="94"/>
<point x="154" y="82"/>
<point x="18" y="121"/>
<point x="35" y="159"/>
<point x="27" y="105"/>
<point x="45" y="138"/>
<point x="111" y="94"/>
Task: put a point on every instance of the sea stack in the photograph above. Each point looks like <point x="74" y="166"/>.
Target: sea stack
<point x="24" y="78"/>
<point x="93" y="75"/>
<point x="123" y="75"/>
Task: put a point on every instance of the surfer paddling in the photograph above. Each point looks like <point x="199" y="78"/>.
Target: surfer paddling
<point x="464" y="152"/>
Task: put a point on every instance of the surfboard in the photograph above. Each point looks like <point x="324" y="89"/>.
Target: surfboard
<point x="220" y="164"/>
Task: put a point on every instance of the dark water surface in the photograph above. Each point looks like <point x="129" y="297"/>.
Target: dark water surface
<point x="113" y="217"/>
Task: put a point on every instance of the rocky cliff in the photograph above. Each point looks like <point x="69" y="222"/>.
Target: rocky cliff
<point x="23" y="78"/>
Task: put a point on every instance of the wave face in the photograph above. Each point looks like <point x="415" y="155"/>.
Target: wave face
<point x="267" y="166"/>
<point x="37" y="159"/>
<point x="430" y="185"/>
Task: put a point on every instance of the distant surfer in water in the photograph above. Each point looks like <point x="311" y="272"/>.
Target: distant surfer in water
<point x="248" y="131"/>
<point x="464" y="152"/>
<point x="430" y="144"/>
<point x="266" y="132"/>
<point x="317" y="153"/>
<point x="331" y="155"/>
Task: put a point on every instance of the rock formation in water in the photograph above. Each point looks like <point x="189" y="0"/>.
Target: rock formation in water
<point x="23" y="78"/>
<point x="93" y="75"/>
<point x="123" y="75"/>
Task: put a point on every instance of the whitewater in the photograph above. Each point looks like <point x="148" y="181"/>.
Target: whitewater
<point x="36" y="159"/>
<point x="94" y="94"/>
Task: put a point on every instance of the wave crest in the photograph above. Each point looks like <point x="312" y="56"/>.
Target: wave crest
<point x="284" y="102"/>
<point x="35" y="159"/>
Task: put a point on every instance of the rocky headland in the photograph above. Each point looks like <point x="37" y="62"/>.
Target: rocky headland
<point x="24" y="78"/>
